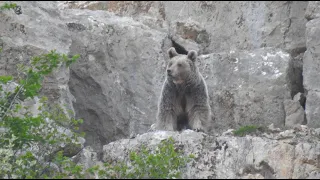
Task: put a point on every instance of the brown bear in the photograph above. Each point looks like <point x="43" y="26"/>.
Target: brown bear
<point x="184" y="100"/>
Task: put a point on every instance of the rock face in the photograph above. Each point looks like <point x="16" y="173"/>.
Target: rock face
<point x="311" y="65"/>
<point x="114" y="85"/>
<point x="313" y="10"/>
<point x="294" y="113"/>
<point x="23" y="37"/>
<point x="247" y="87"/>
<point x="117" y="80"/>
<point x="288" y="154"/>
<point x="253" y="60"/>
<point x="217" y="26"/>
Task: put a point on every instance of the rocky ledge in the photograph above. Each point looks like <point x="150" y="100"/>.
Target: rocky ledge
<point x="269" y="153"/>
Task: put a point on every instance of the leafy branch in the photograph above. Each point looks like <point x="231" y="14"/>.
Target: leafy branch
<point x="31" y="131"/>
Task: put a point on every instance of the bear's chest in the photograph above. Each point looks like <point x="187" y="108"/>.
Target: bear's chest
<point x="183" y="102"/>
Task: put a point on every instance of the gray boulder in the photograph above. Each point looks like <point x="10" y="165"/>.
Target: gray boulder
<point x="278" y="155"/>
<point x="246" y="87"/>
<point x="313" y="10"/>
<point x="311" y="66"/>
<point x="294" y="113"/>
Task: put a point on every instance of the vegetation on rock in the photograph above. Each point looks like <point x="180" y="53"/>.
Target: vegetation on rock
<point x="242" y="131"/>
<point x="163" y="162"/>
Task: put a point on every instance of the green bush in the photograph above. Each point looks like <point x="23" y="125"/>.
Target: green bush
<point x="8" y="6"/>
<point x="165" y="162"/>
<point x="242" y="131"/>
<point x="27" y="138"/>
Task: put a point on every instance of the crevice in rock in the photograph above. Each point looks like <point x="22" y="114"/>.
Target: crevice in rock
<point x="180" y="49"/>
<point x="295" y="75"/>
<point x="295" y="71"/>
<point x="302" y="100"/>
<point x="305" y="118"/>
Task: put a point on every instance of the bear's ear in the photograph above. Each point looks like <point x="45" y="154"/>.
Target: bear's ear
<point x="192" y="55"/>
<point x="172" y="52"/>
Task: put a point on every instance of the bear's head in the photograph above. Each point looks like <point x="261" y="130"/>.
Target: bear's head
<point x="180" y="66"/>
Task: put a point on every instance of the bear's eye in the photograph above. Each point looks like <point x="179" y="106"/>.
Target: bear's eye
<point x="179" y="65"/>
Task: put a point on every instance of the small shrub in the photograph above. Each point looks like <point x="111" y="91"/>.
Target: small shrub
<point x="14" y="6"/>
<point x="165" y="162"/>
<point x="27" y="139"/>
<point x="8" y="6"/>
<point x="242" y="131"/>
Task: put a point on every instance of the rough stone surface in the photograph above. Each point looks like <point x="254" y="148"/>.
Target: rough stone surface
<point x="301" y="98"/>
<point x="294" y="113"/>
<point x="228" y="157"/>
<point x="311" y="56"/>
<point x="246" y="87"/>
<point x="217" y="26"/>
<point x="24" y="36"/>
<point x="87" y="157"/>
<point x="113" y="87"/>
<point x="311" y="66"/>
<point x="313" y="10"/>
<point x="116" y="81"/>
<point x="313" y="109"/>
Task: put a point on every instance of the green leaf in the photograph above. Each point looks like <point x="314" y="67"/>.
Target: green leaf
<point x="5" y="79"/>
<point x="30" y="130"/>
<point x="8" y="6"/>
